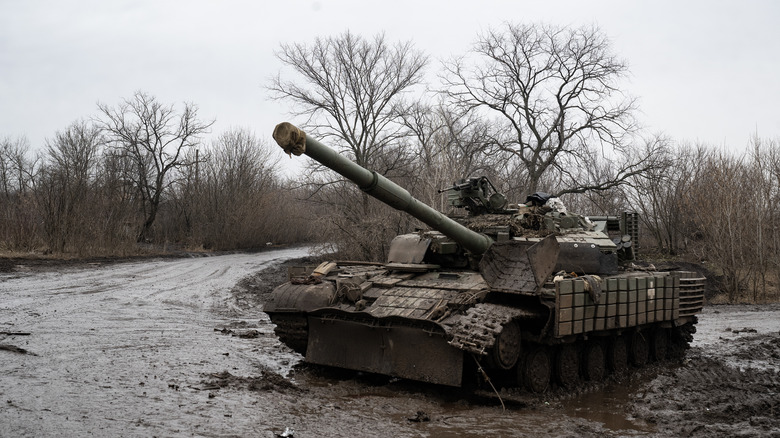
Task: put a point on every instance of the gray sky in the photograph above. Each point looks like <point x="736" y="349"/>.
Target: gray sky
<point x="704" y="71"/>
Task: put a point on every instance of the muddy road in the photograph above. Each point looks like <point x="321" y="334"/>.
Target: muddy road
<point x="180" y="348"/>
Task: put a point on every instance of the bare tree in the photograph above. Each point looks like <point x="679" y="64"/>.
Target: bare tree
<point x="764" y="239"/>
<point x="154" y="138"/>
<point x="555" y="93"/>
<point x="18" y="170"/>
<point x="661" y="196"/>
<point x="351" y="90"/>
<point x="237" y="182"/>
<point x="722" y="202"/>
<point x="64" y="186"/>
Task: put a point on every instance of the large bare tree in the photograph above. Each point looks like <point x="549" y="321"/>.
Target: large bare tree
<point x="555" y="92"/>
<point x="154" y="138"/>
<point x="351" y="89"/>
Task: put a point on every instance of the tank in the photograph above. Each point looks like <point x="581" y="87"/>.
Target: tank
<point x="529" y="294"/>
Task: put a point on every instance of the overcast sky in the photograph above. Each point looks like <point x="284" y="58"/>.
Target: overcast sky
<point x="704" y="71"/>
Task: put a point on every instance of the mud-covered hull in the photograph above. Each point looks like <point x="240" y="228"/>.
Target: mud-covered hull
<point x="426" y="326"/>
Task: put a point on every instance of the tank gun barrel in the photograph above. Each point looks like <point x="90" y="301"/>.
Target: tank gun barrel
<point x="295" y="141"/>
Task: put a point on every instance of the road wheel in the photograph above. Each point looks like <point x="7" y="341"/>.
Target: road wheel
<point x="659" y="344"/>
<point x="567" y="366"/>
<point x="508" y="345"/>
<point x="535" y="370"/>
<point x="639" y="349"/>
<point x="593" y="362"/>
<point x="617" y="355"/>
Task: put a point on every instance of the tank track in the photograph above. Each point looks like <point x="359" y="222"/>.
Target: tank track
<point x="566" y="365"/>
<point x="476" y="330"/>
<point x="292" y="329"/>
<point x="681" y="338"/>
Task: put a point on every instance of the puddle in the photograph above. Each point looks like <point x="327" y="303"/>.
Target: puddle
<point x="608" y="407"/>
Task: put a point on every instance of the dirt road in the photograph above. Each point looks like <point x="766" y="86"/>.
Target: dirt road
<point x="123" y="349"/>
<point x="180" y="348"/>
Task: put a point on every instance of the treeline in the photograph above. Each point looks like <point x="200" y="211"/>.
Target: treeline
<point x="143" y="175"/>
<point x="719" y="208"/>
<point x="85" y="194"/>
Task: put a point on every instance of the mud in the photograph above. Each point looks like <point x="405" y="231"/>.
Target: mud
<point x="729" y="384"/>
<point x="181" y="348"/>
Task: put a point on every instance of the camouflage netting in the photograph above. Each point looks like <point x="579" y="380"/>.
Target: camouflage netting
<point x="527" y="225"/>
